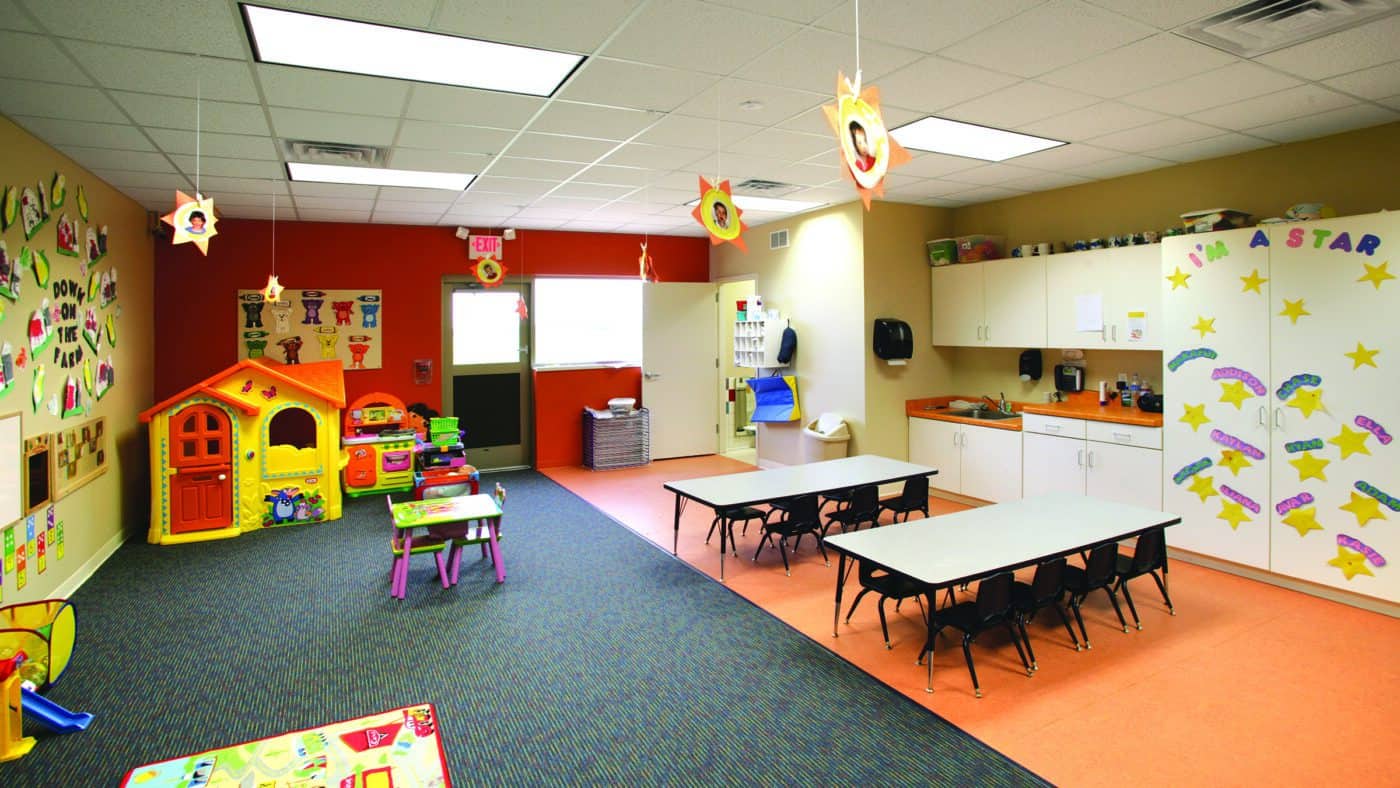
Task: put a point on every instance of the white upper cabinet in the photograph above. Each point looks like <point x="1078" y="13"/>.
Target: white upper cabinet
<point x="1105" y="298"/>
<point x="999" y="303"/>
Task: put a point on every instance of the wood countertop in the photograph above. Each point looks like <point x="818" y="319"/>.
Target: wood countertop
<point x="1085" y="405"/>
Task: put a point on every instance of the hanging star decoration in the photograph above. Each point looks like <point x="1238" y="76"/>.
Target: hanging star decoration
<point x="1350" y="441"/>
<point x="867" y="150"/>
<point x="1302" y="520"/>
<point x="1362" y="356"/>
<point x="1203" y="486"/>
<point x="1375" y="274"/>
<point x="1310" y="467"/>
<point x="1364" y="507"/>
<point x="273" y="290"/>
<point x="193" y="220"/>
<point x="521" y="308"/>
<point x="1307" y="401"/>
<point x="1204" y="325"/>
<point x="1234" y="460"/>
<point x="646" y="267"/>
<point x="1233" y="513"/>
<point x="1195" y="415"/>
<point x="489" y="271"/>
<point x="718" y="214"/>
<point x="1178" y="279"/>
<point x="1293" y="310"/>
<point x="1235" y="393"/>
<point x="1350" y="562"/>
<point x="1253" y="281"/>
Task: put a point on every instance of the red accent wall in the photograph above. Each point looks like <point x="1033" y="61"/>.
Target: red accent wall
<point x="196" y="317"/>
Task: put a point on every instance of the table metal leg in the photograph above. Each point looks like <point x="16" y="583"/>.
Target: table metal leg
<point x="932" y="599"/>
<point x="840" y="583"/>
<point x="676" y="536"/>
<point x="723" y="546"/>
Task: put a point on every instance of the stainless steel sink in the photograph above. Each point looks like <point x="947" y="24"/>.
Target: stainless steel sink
<point x="987" y="415"/>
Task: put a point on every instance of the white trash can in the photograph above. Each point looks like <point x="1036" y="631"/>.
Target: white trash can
<point x="826" y="438"/>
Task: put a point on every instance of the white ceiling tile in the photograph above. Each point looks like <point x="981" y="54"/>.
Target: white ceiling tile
<point x="210" y="27"/>
<point x="1092" y="121"/>
<point x="1043" y="181"/>
<point x="1370" y="83"/>
<point x="933" y="83"/>
<point x="152" y="71"/>
<point x="575" y="27"/>
<point x="808" y="174"/>
<point x="587" y="120"/>
<point x="341" y="190"/>
<point x="826" y="194"/>
<point x="301" y="124"/>
<point x="1140" y="65"/>
<point x="1393" y="101"/>
<point x="1172" y="131"/>
<point x="1212" y="89"/>
<point x="922" y="25"/>
<point x="409" y="206"/>
<point x="1324" y="123"/>
<point x="479" y="217"/>
<point x="994" y="174"/>
<point x="522" y="222"/>
<point x="1209" y="148"/>
<point x="406" y="194"/>
<point x="1121" y="165"/>
<point x="560" y="147"/>
<point x="448" y="137"/>
<point x="172" y="112"/>
<point x="682" y="131"/>
<point x="1274" y="107"/>
<point x="77" y="132"/>
<point x="933" y="165"/>
<point x="323" y="215"/>
<point x="402" y="13"/>
<point x="601" y="191"/>
<point x="986" y="194"/>
<point x="630" y="177"/>
<point x="1048" y="37"/>
<point x="51" y="100"/>
<point x="238" y="168"/>
<point x="235" y="200"/>
<point x="334" y="203"/>
<point x="942" y="202"/>
<point x="658" y="198"/>
<point x="783" y="144"/>
<point x="1166" y="14"/>
<point x="253" y="212"/>
<point x="543" y="169"/>
<point x="1017" y="105"/>
<point x="410" y="218"/>
<point x="25" y="56"/>
<point x="214" y="184"/>
<point x="309" y="88"/>
<point x="920" y="189"/>
<point x="1065" y="157"/>
<point x="109" y="159"/>
<point x="812" y="59"/>
<point x="766" y="104"/>
<point x="801" y="11"/>
<point x="12" y="17"/>
<point x="149" y="180"/>
<point x="446" y="104"/>
<point x="1361" y="47"/>
<point x="162" y="198"/>
<point x="687" y="34"/>
<point x="655" y="157"/>
<point x="593" y="226"/>
<point x="437" y="161"/>
<point x="635" y="85"/>
<point x="239" y="146"/>
<point x="516" y="186"/>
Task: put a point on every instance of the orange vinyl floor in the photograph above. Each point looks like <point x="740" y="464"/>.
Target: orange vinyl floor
<point x="1248" y="684"/>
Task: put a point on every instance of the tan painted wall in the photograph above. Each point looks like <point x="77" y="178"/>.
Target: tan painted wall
<point x="101" y="514"/>
<point x="817" y="282"/>
<point x="729" y="294"/>
<point x="897" y="285"/>
<point x="992" y="371"/>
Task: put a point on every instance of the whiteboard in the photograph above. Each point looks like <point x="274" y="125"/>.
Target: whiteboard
<point x="11" y="470"/>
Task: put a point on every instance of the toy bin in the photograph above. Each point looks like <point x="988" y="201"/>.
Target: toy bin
<point x="943" y="251"/>
<point x="976" y="248"/>
<point x="45" y="631"/>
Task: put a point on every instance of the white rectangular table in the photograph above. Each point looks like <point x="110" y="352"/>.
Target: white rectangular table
<point x="952" y="549"/>
<point x="733" y="490"/>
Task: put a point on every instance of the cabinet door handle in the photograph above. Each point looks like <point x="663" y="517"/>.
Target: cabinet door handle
<point x="1263" y="416"/>
<point x="1115" y="332"/>
<point x="1123" y="436"/>
<point x="1081" y="458"/>
<point x="1091" y="458"/>
<point x="1278" y="418"/>
<point x="955" y="438"/>
<point x="1052" y="428"/>
<point x="987" y="333"/>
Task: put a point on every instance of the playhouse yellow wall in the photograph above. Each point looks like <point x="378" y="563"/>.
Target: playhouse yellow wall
<point x="259" y="470"/>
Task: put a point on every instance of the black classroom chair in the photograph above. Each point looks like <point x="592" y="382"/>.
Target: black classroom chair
<point x="1149" y="557"/>
<point x="1099" y="572"/>
<point x="1044" y="590"/>
<point x="802" y="516"/>
<point x="992" y="607"/>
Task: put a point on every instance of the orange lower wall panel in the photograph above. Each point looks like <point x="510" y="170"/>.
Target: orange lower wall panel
<point x="559" y="401"/>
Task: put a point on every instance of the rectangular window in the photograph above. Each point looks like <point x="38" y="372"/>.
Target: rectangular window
<point x="582" y="322"/>
<point x="485" y="327"/>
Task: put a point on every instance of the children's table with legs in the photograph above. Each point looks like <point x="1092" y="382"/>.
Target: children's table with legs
<point x="467" y="519"/>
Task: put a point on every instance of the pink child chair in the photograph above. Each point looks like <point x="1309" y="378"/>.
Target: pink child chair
<point x="398" y="573"/>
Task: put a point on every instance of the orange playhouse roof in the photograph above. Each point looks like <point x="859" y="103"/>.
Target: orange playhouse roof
<point x="324" y="379"/>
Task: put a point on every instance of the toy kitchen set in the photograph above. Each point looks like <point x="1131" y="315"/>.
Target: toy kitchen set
<point x="379" y="441"/>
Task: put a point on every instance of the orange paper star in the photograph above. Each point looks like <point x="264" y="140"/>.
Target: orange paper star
<point x="193" y="220"/>
<point x="719" y="215"/>
<point x="273" y="290"/>
<point x="645" y="266"/>
<point x="867" y="150"/>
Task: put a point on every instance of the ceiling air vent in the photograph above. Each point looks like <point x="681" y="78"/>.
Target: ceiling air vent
<point x="761" y="188"/>
<point x="778" y="239"/>
<point x="334" y="153"/>
<point x="1266" y="25"/>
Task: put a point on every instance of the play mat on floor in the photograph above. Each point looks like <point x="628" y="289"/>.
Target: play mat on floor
<point x="392" y="749"/>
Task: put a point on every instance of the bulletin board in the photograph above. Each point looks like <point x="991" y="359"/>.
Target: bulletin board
<point x="38" y="481"/>
<point x="80" y="455"/>
<point x="11" y="470"/>
<point x="303" y="326"/>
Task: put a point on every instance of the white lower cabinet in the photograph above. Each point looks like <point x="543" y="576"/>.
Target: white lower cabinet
<point x="1125" y="474"/>
<point x="1125" y="466"/>
<point x="979" y="462"/>
<point x="1052" y="464"/>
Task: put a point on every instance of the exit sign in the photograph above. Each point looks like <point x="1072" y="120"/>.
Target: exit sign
<point x="479" y="246"/>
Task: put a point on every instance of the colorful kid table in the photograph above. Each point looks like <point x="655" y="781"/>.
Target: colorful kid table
<point x="467" y="519"/>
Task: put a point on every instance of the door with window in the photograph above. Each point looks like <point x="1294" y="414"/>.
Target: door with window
<point x="201" y="488"/>
<point x="486" y="371"/>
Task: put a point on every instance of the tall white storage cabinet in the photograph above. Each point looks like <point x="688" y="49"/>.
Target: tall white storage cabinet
<point x="1297" y="408"/>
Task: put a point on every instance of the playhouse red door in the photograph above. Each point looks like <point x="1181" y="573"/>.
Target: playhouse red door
<point x="201" y="487"/>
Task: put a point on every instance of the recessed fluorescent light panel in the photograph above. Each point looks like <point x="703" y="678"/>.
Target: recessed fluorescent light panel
<point x="955" y="138"/>
<point x="376" y="176"/>
<point x="769" y="204"/>
<point x="323" y="42"/>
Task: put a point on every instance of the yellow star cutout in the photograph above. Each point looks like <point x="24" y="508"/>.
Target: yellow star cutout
<point x="1203" y="325"/>
<point x="1350" y="441"/>
<point x="1364" y="507"/>
<point x="1178" y="279"/>
<point x="1233" y="514"/>
<point x="1302" y="520"/>
<point x="1204" y="486"/>
<point x="1350" y="562"/>
<point x="1234" y="393"/>
<point x="1253" y="281"/>
<point x="1195" y="415"/>
<point x="1234" y="460"/>
<point x="1307" y="400"/>
<point x="1362" y="356"/>
<point x="1310" y="467"/>
<point x="1375" y="274"/>
<point x="1293" y="310"/>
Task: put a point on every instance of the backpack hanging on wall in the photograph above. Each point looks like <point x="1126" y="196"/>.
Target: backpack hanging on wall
<point x="787" y="346"/>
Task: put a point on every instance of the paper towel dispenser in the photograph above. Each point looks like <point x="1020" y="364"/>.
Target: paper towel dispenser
<point x="893" y="339"/>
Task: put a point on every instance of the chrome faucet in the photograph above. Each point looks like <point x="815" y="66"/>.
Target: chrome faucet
<point x="1001" y="406"/>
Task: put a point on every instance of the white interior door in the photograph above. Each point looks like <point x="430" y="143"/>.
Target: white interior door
<point x="680" y="368"/>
